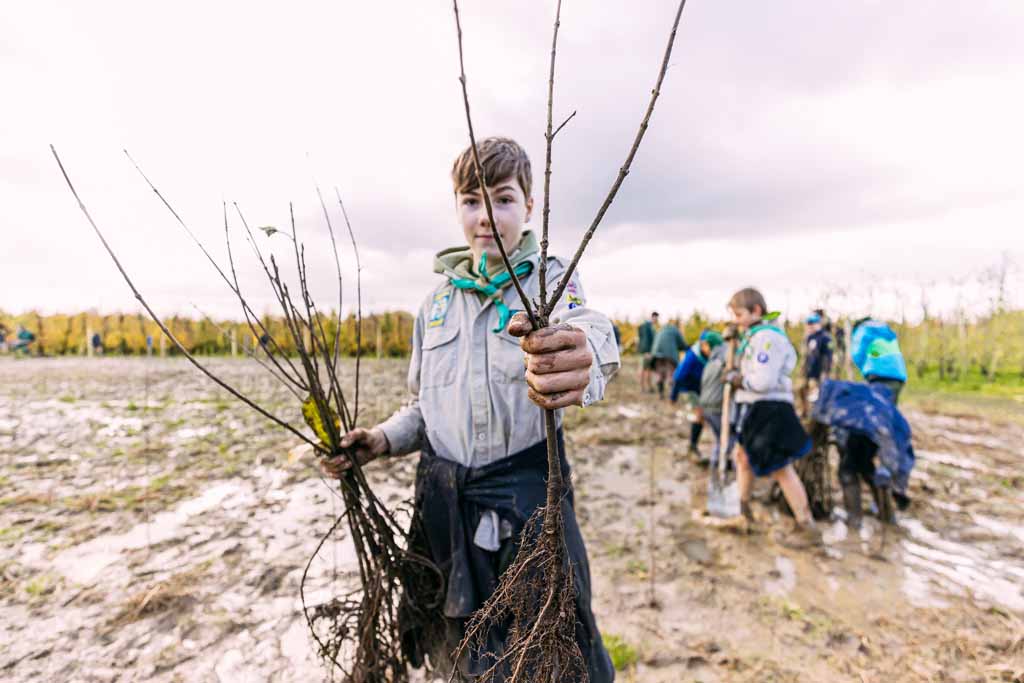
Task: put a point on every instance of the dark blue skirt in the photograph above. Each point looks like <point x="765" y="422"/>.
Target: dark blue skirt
<point x="771" y="435"/>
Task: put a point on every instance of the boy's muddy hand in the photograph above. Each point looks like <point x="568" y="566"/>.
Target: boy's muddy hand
<point x="369" y="444"/>
<point x="558" y="362"/>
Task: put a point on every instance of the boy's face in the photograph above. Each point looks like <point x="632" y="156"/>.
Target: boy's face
<point x="744" y="317"/>
<point x="512" y="209"/>
<point x="705" y="349"/>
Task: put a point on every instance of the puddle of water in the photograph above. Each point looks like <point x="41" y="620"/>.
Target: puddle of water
<point x="966" y="439"/>
<point x="189" y="433"/>
<point x="960" y="568"/>
<point x="999" y="527"/>
<point x="965" y="466"/>
<point x="84" y="562"/>
<point x="783" y="578"/>
<point x="628" y="412"/>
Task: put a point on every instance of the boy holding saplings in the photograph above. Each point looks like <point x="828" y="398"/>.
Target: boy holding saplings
<point x="770" y="434"/>
<point x="479" y="378"/>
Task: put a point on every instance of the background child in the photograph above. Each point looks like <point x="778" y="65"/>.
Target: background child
<point x="668" y="344"/>
<point x="644" y="342"/>
<point x="818" y="350"/>
<point x="711" y="394"/>
<point x="770" y="435"/>
<point x="687" y="381"/>
<point x="876" y="352"/>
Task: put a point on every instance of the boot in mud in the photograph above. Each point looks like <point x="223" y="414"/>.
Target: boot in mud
<point x="801" y="537"/>
<point x="884" y="504"/>
<point x="852" y="503"/>
<point x="748" y="516"/>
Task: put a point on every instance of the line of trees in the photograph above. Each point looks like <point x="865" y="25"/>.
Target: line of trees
<point x="385" y="334"/>
<point x="950" y="348"/>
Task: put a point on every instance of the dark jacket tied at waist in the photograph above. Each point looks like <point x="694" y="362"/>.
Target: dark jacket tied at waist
<point x="450" y="501"/>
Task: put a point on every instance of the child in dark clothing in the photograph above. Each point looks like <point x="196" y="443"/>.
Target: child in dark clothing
<point x="818" y="349"/>
<point x="687" y="380"/>
<point x="668" y="344"/>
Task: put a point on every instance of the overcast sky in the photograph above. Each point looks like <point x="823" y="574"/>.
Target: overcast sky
<point x="865" y="151"/>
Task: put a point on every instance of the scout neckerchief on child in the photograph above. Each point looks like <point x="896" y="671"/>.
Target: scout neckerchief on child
<point x="457" y="265"/>
<point x="763" y="324"/>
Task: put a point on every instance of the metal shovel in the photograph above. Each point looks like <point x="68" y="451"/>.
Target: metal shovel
<point x="723" y="489"/>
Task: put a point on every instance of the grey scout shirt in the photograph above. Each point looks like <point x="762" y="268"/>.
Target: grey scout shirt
<point x="469" y="383"/>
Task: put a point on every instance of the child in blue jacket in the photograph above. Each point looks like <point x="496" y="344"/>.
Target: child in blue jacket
<point x="875" y="351"/>
<point x="687" y="380"/>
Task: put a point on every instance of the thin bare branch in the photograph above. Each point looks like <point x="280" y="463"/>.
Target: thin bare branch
<point x="624" y="170"/>
<point x="548" y="139"/>
<point x="562" y="125"/>
<point x="163" y="328"/>
<point x="234" y="287"/>
<point x="250" y="315"/>
<point x="249" y="353"/>
<point x="359" y="301"/>
<point x="527" y="306"/>
<point x="337" y="267"/>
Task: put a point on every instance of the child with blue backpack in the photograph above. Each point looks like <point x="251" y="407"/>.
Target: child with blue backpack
<point x="875" y="350"/>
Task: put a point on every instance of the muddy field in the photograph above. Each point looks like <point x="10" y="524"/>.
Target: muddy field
<point x="153" y="529"/>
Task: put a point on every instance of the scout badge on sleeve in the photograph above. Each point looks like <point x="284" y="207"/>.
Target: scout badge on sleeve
<point x="439" y="309"/>
<point x="572" y="296"/>
<point x="723" y="494"/>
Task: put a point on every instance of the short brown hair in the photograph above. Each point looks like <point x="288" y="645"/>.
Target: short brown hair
<point x="747" y="298"/>
<point x="501" y="158"/>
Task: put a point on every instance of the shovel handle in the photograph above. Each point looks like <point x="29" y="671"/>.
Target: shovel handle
<point x="723" y="437"/>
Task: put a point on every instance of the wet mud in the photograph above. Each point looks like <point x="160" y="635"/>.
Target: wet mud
<point x="153" y="529"/>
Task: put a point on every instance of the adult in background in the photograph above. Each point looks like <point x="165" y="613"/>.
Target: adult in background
<point x="668" y="344"/>
<point x="644" y="343"/>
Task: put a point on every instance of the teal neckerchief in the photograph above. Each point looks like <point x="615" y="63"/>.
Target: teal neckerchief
<point x="491" y="287"/>
<point x="762" y="325"/>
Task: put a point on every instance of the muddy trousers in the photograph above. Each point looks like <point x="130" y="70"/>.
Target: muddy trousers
<point x="857" y="463"/>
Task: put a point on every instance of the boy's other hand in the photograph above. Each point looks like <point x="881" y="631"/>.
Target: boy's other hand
<point x="369" y="444"/>
<point x="558" y="362"/>
<point x="734" y="378"/>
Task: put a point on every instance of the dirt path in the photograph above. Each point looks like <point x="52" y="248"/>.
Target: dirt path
<point x="152" y="529"/>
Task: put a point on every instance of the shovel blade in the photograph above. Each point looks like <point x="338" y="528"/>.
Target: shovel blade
<point x="723" y="497"/>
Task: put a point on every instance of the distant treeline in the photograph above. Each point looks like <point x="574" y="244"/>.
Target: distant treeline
<point x="386" y="334"/>
<point x="986" y="347"/>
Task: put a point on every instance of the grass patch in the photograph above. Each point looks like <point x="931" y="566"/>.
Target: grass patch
<point x="637" y="568"/>
<point x="624" y="656"/>
<point x="40" y="586"/>
<point x="1001" y="400"/>
<point x="175" y="592"/>
<point x="11" y="535"/>
<point x="67" y="399"/>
